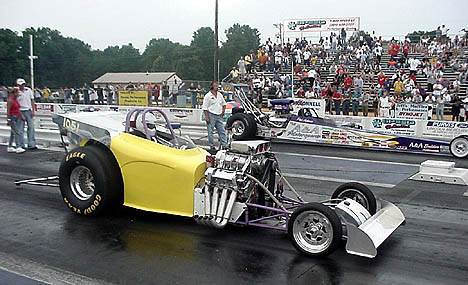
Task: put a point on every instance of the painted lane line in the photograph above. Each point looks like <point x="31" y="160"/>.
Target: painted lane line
<point x="41" y="272"/>
<point x="339" y="180"/>
<point x="348" y="159"/>
<point x="410" y="196"/>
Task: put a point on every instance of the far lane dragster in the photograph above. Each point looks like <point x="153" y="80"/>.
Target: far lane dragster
<point x="135" y="161"/>
<point x="306" y="126"/>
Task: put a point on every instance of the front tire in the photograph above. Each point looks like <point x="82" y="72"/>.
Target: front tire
<point x="90" y="181"/>
<point x="359" y="193"/>
<point x="459" y="147"/>
<point x="315" y="230"/>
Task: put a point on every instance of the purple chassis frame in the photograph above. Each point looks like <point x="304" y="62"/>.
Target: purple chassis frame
<point x="282" y="211"/>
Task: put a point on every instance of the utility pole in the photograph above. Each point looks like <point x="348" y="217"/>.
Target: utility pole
<point x="279" y="26"/>
<point x="216" y="53"/>
<point x="31" y="60"/>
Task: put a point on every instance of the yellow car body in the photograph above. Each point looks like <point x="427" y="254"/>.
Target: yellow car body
<point x="158" y="178"/>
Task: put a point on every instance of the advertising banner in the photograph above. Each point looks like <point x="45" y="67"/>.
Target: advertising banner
<point x="321" y="24"/>
<point x="358" y="123"/>
<point x="444" y="129"/>
<point x="133" y="98"/>
<point x="183" y="115"/>
<point x="413" y="111"/>
<point x="65" y="108"/>
<point x="317" y="104"/>
<point x="315" y="131"/>
<point x="44" y="108"/>
<point x="92" y="108"/>
<point x="298" y="131"/>
<point x="399" y="127"/>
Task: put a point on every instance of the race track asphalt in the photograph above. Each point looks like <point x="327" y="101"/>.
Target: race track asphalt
<point x="41" y="240"/>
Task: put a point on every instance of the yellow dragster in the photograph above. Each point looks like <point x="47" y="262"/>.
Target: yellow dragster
<point x="138" y="160"/>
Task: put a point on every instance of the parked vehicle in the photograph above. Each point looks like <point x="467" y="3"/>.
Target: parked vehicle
<point x="306" y="126"/>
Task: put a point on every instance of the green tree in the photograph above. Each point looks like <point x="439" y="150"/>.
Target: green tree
<point x="415" y="36"/>
<point x="61" y="61"/>
<point x="241" y="39"/>
<point x="12" y="60"/>
<point x="69" y="62"/>
<point x="158" y="55"/>
<point x="202" y="47"/>
<point x="189" y="68"/>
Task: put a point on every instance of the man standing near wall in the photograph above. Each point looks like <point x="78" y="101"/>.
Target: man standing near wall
<point x="86" y="93"/>
<point x="214" y="106"/>
<point x="110" y="94"/>
<point x="384" y="105"/>
<point x="27" y="106"/>
<point x="165" y="94"/>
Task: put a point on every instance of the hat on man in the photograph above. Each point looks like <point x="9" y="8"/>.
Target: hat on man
<point x="20" y="81"/>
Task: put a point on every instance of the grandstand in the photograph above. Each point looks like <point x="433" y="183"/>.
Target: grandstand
<point x="329" y="57"/>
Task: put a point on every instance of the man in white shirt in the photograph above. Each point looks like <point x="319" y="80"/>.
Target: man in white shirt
<point x="417" y="98"/>
<point x="378" y="52"/>
<point x="312" y="75"/>
<point x="278" y="58"/>
<point x="213" y="107"/>
<point x="456" y="85"/>
<point x="414" y="63"/>
<point x="241" y="66"/>
<point x="309" y="94"/>
<point x="430" y="99"/>
<point x="307" y="56"/>
<point x="298" y="56"/>
<point x="441" y="100"/>
<point x="409" y="85"/>
<point x="444" y="31"/>
<point x="27" y="106"/>
<point x="437" y="89"/>
<point x="384" y="106"/>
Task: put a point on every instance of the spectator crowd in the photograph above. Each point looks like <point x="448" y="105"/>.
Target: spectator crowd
<point x="361" y="73"/>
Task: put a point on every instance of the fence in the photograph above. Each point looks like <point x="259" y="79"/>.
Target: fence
<point x="193" y="121"/>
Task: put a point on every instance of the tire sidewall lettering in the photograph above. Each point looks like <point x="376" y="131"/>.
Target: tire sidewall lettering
<point x="75" y="154"/>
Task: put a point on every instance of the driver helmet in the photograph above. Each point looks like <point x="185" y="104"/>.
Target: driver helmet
<point x="150" y="119"/>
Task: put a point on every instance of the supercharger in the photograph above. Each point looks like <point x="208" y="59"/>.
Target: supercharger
<point x="227" y="183"/>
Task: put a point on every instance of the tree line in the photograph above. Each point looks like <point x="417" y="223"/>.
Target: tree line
<point x="70" y="62"/>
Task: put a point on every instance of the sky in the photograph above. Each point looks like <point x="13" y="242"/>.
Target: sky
<point x="103" y="23"/>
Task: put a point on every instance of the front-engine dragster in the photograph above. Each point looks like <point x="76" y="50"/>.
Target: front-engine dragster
<point x="117" y="158"/>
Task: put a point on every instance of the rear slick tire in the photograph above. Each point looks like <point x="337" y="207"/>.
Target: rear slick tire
<point x="90" y="181"/>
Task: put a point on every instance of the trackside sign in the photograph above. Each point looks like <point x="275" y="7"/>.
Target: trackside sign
<point x="413" y="111"/>
<point x="321" y="24"/>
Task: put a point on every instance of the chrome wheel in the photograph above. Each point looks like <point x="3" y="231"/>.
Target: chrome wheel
<point x="459" y="147"/>
<point x="238" y="128"/>
<point x="313" y="231"/>
<point x="355" y="195"/>
<point x="82" y="183"/>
